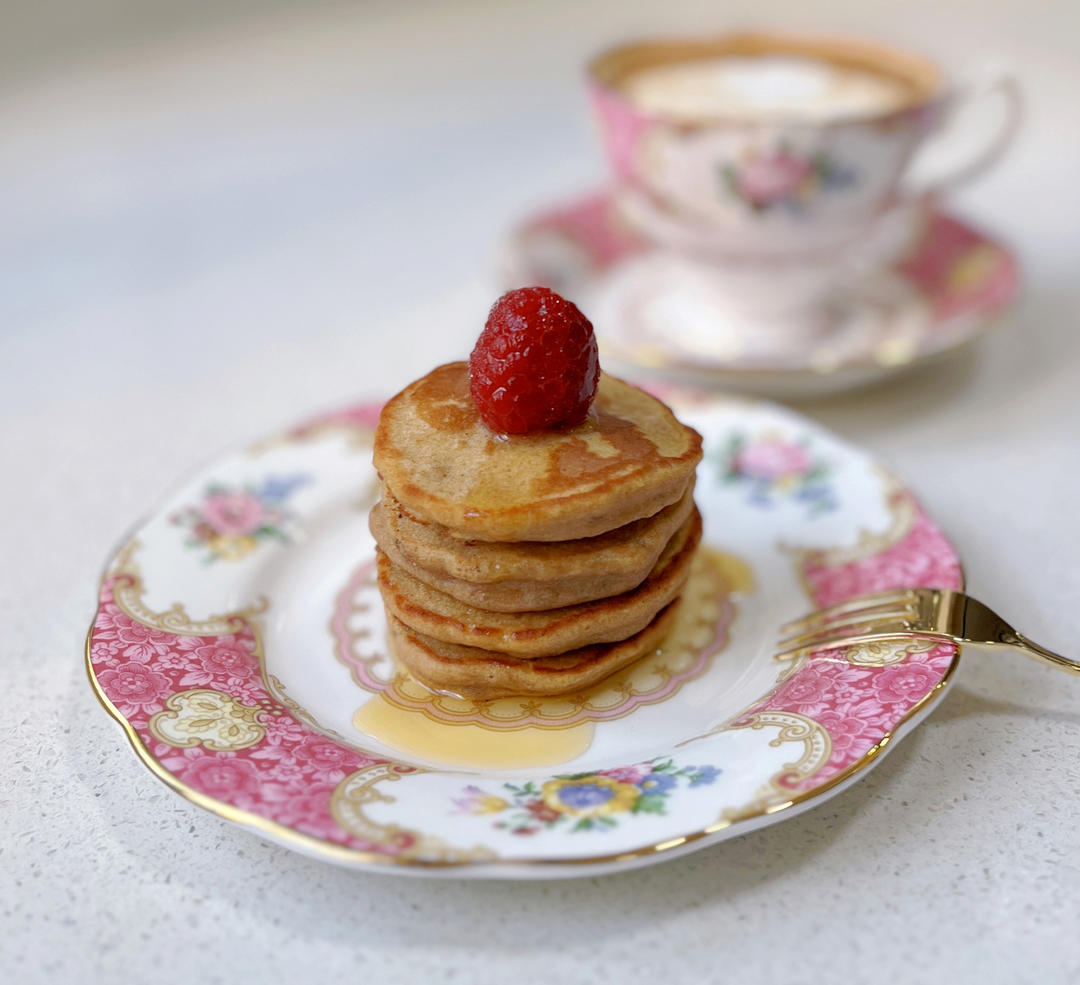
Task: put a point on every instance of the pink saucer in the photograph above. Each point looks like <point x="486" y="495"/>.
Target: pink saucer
<point x="945" y="290"/>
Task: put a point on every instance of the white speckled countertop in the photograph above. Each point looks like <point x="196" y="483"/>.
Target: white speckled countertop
<point x="205" y="239"/>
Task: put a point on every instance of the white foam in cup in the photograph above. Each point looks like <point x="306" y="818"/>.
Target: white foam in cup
<point x="765" y="86"/>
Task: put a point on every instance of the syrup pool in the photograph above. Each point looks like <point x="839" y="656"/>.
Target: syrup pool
<point x="565" y="734"/>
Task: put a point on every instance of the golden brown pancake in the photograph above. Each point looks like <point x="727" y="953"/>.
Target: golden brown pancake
<point x="481" y="674"/>
<point x="519" y="577"/>
<point x="539" y="634"/>
<point x="630" y="459"/>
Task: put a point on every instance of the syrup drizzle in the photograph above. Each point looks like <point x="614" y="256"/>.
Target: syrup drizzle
<point x="468" y="745"/>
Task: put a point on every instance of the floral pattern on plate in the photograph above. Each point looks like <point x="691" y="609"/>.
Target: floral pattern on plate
<point x="773" y="466"/>
<point x="200" y="703"/>
<point x="286" y="777"/>
<point x="585" y="801"/>
<point x="230" y="522"/>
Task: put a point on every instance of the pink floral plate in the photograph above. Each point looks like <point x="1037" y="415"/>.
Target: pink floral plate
<point x="240" y="643"/>
<point x="657" y="314"/>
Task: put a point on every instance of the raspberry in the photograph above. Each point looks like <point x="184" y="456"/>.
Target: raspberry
<point x="535" y="365"/>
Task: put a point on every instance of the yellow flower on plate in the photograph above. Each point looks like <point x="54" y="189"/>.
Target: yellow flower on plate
<point x="590" y="796"/>
<point x="489" y="804"/>
<point x="231" y="547"/>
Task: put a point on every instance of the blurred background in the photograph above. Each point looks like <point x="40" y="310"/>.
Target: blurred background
<point x="184" y="181"/>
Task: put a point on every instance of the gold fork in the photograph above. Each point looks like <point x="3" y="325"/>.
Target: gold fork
<point x="929" y="613"/>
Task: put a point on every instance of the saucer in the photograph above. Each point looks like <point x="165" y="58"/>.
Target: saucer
<point x="240" y="643"/>
<point x="657" y="315"/>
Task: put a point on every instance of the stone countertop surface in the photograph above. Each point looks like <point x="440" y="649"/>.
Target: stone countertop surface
<point x="209" y="237"/>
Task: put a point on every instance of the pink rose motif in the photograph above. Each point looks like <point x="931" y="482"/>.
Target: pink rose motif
<point x="847" y="732"/>
<point x="222" y="775"/>
<point x="765" y="180"/>
<point x="225" y="657"/>
<point x="233" y="513"/>
<point x="774" y="459"/>
<point x="923" y="558"/>
<point x="283" y="730"/>
<point x="309" y="811"/>
<point x="328" y="760"/>
<point x="628" y="774"/>
<point x="140" y="642"/>
<point x="905" y="683"/>
<point x="109" y="616"/>
<point x="808" y="687"/>
<point x="134" y="684"/>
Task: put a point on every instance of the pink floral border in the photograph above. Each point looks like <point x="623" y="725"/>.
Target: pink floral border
<point x="289" y="775"/>
<point x="859" y="705"/>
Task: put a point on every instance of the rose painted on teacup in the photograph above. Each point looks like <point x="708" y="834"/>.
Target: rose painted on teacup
<point x="785" y="178"/>
<point x="770" y="179"/>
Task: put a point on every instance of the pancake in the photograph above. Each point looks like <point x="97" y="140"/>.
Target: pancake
<point x="630" y="459"/>
<point x="540" y="634"/>
<point x="517" y="577"/>
<point x="481" y="674"/>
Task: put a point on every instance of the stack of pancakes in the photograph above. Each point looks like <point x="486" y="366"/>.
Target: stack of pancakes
<point x="530" y="564"/>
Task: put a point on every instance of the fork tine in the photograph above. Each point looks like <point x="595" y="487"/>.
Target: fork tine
<point x="907" y="596"/>
<point x="824" y="636"/>
<point x="863" y="621"/>
<point x="846" y="641"/>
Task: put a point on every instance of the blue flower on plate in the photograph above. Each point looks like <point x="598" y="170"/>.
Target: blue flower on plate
<point x="702" y="775"/>
<point x="657" y="783"/>
<point x="585" y="795"/>
<point x="276" y="489"/>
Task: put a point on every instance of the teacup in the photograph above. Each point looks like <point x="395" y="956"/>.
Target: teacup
<point x="775" y="158"/>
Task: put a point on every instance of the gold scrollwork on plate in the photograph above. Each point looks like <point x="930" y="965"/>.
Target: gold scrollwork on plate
<point x="128" y="595"/>
<point x="277" y="690"/>
<point x="781" y="789"/>
<point x="352" y="797"/>
<point x="351" y="801"/>
<point x="208" y="718"/>
<point x="884" y="653"/>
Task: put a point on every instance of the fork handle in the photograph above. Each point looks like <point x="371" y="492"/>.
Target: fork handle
<point x="1043" y="655"/>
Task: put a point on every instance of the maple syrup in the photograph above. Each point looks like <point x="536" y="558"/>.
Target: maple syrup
<point x="472" y="745"/>
<point x="469" y="746"/>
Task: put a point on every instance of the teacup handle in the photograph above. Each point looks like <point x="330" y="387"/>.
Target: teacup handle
<point x="998" y="85"/>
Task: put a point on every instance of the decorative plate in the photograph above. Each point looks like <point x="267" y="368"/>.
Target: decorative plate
<point x="239" y="642"/>
<point x="653" y="315"/>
